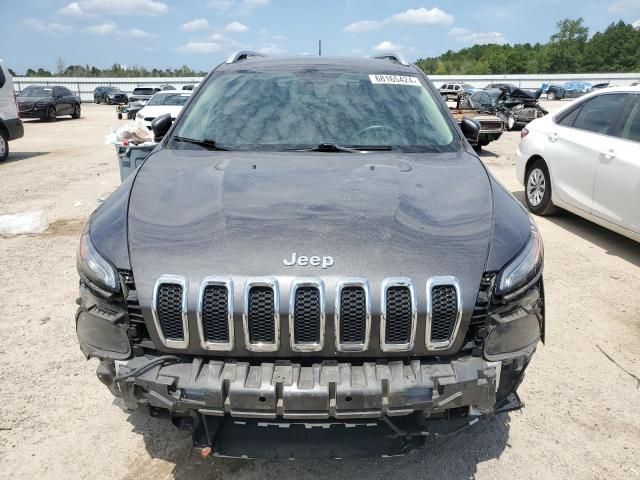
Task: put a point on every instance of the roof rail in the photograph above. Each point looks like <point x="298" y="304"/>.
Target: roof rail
<point x="394" y="57"/>
<point x="243" y="55"/>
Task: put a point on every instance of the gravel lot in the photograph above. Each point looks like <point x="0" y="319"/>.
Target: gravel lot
<point x="581" y="418"/>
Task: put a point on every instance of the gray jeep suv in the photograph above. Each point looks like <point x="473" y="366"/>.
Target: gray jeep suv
<point x="313" y="262"/>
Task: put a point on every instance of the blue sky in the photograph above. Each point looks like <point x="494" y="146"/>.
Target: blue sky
<point x="170" y="33"/>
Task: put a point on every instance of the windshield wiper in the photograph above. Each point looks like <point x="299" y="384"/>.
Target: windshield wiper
<point x="206" y="143"/>
<point x="330" y="147"/>
<point x="372" y="148"/>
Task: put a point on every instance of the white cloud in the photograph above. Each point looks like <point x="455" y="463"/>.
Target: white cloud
<point x="270" y="49"/>
<point x="422" y="16"/>
<point x="363" y="26"/>
<point x="220" y="4"/>
<point x="636" y="24"/>
<point x="115" y="7"/>
<point x="102" y="29"/>
<point x="413" y="16"/>
<point x="464" y="35"/>
<point x="138" y="33"/>
<point x="255" y="3"/>
<point x="201" y="47"/>
<point x="624" y="6"/>
<point x="387" y="46"/>
<point x="236" y="27"/>
<point x="74" y="10"/>
<point x="49" y="27"/>
<point x="194" y="25"/>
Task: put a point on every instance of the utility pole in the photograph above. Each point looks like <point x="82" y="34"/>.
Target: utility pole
<point x="319" y="48"/>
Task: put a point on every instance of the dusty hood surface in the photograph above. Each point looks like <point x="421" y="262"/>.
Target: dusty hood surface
<point x="239" y="214"/>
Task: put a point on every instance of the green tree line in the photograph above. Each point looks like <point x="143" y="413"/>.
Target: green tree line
<point x="116" y="70"/>
<point x="569" y="50"/>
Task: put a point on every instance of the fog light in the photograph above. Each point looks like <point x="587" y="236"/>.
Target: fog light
<point x="102" y="338"/>
<point x="512" y="335"/>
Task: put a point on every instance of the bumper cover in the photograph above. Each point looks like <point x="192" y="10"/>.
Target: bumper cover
<point x="15" y="128"/>
<point x="325" y="390"/>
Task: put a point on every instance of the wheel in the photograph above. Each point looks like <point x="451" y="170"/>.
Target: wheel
<point x="537" y="192"/>
<point x="76" y="111"/>
<point x="51" y="114"/>
<point x="4" y="146"/>
<point x="107" y="101"/>
<point x="119" y="116"/>
<point x="551" y="96"/>
<point x="96" y="100"/>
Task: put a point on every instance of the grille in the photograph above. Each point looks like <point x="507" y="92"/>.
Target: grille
<point x="353" y="315"/>
<point x="398" y="315"/>
<point x="444" y="312"/>
<point x="261" y="315"/>
<point x="215" y="313"/>
<point x="169" y="308"/>
<point x="306" y="317"/>
<point x="25" y="106"/>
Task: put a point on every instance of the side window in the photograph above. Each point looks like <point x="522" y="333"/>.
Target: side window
<point x="568" y="119"/>
<point x="631" y="127"/>
<point x="600" y="113"/>
<point x="66" y="92"/>
<point x="56" y="92"/>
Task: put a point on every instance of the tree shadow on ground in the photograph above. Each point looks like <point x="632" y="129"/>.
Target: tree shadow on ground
<point x="169" y="455"/>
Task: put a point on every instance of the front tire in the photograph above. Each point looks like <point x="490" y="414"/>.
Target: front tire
<point x="51" y="114"/>
<point x="4" y="146"/>
<point x="76" y="111"/>
<point x="537" y="190"/>
<point x="551" y="96"/>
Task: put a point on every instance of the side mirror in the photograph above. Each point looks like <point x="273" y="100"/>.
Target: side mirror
<point x="161" y="125"/>
<point x="470" y="129"/>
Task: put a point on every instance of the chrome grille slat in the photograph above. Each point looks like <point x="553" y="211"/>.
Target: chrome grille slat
<point x="169" y="313"/>
<point x="444" y="312"/>
<point x="352" y="315"/>
<point x="306" y="315"/>
<point x="215" y="314"/>
<point x="398" y="315"/>
<point x="261" y="316"/>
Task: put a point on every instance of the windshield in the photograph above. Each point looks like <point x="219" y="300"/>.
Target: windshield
<point x="37" y="92"/>
<point x="307" y="107"/>
<point x="144" y="91"/>
<point x="174" y="99"/>
<point x="112" y="90"/>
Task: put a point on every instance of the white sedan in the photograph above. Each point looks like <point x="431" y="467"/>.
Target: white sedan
<point x="585" y="158"/>
<point x="166" y="101"/>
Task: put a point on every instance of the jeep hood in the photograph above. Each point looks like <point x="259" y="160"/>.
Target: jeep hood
<point x="239" y="214"/>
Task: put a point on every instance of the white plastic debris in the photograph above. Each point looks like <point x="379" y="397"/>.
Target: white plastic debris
<point x="23" y="223"/>
<point x="129" y="132"/>
<point x="77" y="204"/>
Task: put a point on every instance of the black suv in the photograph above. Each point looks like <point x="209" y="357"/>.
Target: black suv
<point x="314" y="243"/>
<point x="110" y="96"/>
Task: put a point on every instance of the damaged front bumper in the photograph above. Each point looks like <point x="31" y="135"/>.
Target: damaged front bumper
<point x="320" y="391"/>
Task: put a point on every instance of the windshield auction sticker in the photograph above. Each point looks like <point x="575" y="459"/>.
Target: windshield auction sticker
<point x="394" y="80"/>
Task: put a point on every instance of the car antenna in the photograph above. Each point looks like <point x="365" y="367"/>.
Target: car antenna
<point x="319" y="48"/>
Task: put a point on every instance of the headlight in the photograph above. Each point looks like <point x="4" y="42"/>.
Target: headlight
<point x="42" y="103"/>
<point x="524" y="267"/>
<point x="93" y="265"/>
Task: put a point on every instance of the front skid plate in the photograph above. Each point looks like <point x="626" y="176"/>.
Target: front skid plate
<point x="325" y="390"/>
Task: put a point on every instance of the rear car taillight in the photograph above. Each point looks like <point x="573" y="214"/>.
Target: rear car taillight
<point x="524" y="132"/>
<point x="15" y="100"/>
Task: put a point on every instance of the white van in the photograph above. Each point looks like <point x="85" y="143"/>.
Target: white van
<point x="10" y="125"/>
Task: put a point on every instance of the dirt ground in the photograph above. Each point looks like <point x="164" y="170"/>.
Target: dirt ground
<point x="57" y="421"/>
